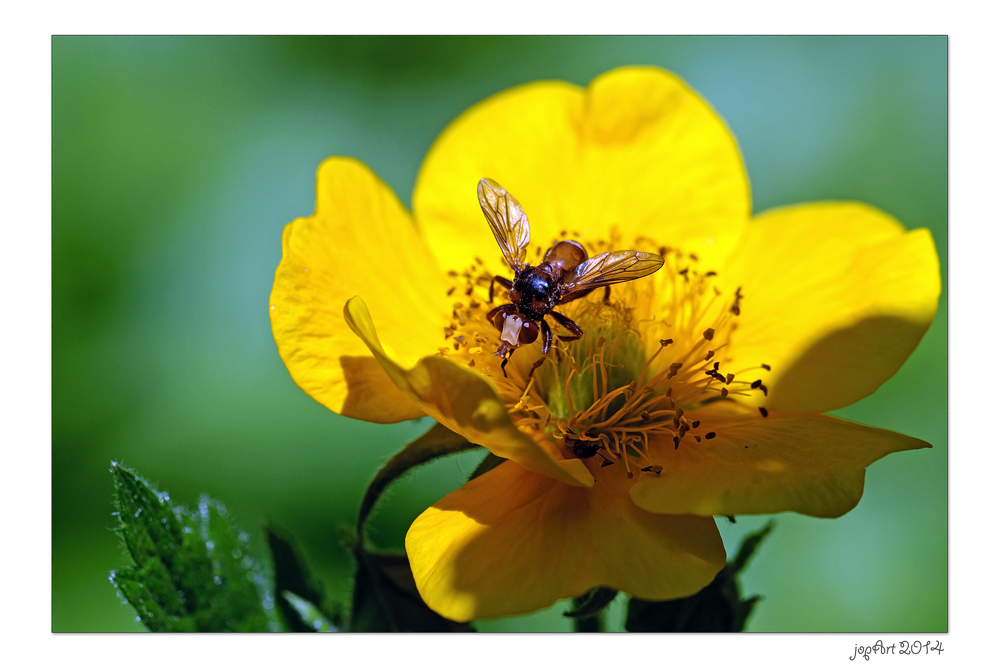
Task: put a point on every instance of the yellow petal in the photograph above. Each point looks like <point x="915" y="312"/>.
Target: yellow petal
<point x="811" y="464"/>
<point x="636" y="150"/>
<point x="362" y="241"/>
<point x="510" y="542"/>
<point x="836" y="297"/>
<point x="466" y="402"/>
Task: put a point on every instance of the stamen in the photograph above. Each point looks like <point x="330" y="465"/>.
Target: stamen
<point x="615" y="392"/>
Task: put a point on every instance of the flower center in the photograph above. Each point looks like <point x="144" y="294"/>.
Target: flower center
<point x="650" y="356"/>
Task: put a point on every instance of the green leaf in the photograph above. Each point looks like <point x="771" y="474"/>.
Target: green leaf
<point x="386" y="598"/>
<point x="716" y="608"/>
<point x="749" y="547"/>
<point x="438" y="441"/>
<point x="308" y="614"/>
<point x="191" y="571"/>
<point x="291" y="577"/>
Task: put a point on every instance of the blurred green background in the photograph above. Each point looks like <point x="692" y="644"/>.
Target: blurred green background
<point x="177" y="162"/>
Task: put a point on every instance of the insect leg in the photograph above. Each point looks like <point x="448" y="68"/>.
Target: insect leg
<point x="546" y="344"/>
<point x="503" y="363"/>
<point x="569" y="325"/>
<point x="607" y="293"/>
<point x="506" y="284"/>
<point x="573" y="296"/>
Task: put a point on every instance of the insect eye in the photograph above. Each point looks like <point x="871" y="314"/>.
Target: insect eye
<point x="528" y="334"/>
<point x="499" y="319"/>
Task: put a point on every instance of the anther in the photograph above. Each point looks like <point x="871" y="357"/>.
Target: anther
<point x="667" y="341"/>
<point x="711" y="353"/>
<point x="709" y="333"/>
<point x="451" y="290"/>
<point x="715" y="366"/>
<point x="479" y="261"/>
<point x="766" y="367"/>
<point x="645" y="416"/>
<point x="695" y="424"/>
<point x="710" y="435"/>
<point x="677" y="442"/>
<point x="710" y="274"/>
<point x="693" y="256"/>
<point x="729" y="378"/>
<point x="755" y="384"/>
<point x="725" y="392"/>
<point x="453" y="274"/>
<point x="674" y="368"/>
<point x="763" y="411"/>
<point x="763" y="388"/>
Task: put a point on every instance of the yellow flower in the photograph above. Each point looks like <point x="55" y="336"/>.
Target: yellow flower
<point x="696" y="391"/>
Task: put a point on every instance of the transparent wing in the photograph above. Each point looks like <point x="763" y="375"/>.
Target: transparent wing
<point x="609" y="268"/>
<point x="507" y="221"/>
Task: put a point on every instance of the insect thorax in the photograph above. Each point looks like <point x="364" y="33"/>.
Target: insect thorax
<point x="534" y="292"/>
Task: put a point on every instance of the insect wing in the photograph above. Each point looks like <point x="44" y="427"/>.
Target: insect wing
<point x="609" y="268"/>
<point x="507" y="221"/>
